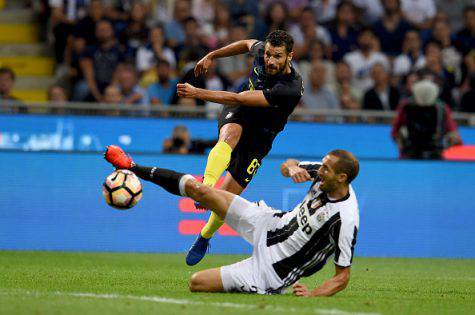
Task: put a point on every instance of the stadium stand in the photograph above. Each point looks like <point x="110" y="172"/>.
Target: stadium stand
<point x="22" y="50"/>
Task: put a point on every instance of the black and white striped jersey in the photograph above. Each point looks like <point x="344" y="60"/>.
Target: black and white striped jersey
<point x="301" y="241"/>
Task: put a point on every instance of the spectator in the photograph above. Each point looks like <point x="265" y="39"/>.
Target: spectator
<point x="174" y="29"/>
<point x="420" y="13"/>
<point x="362" y="60"/>
<point x="412" y="58"/>
<point x="316" y="54"/>
<point x="407" y="83"/>
<point x="217" y="33"/>
<point x="181" y="143"/>
<point x="64" y="15"/>
<point x="370" y="11"/>
<point x="467" y="104"/>
<point x="436" y="70"/>
<point x="162" y="92"/>
<point x="294" y="7"/>
<point x="214" y="81"/>
<point x="112" y="95"/>
<point x="276" y="17"/>
<point x="131" y="91"/>
<point x="382" y="96"/>
<point x="466" y="37"/>
<point x="468" y="71"/>
<point x="203" y="11"/>
<point x="424" y="127"/>
<point x="192" y="43"/>
<point x="306" y="31"/>
<point x="234" y="67"/>
<point x="119" y="10"/>
<point x="348" y="95"/>
<point x="392" y="28"/>
<point x="451" y="9"/>
<point x="7" y="80"/>
<point x="85" y="29"/>
<point x="99" y="63"/>
<point x="325" y="10"/>
<point x="243" y="11"/>
<point x="317" y="95"/>
<point x="240" y="84"/>
<point x="136" y="31"/>
<point x="155" y="49"/>
<point x="342" y="31"/>
<point x="57" y="94"/>
<point x="451" y="58"/>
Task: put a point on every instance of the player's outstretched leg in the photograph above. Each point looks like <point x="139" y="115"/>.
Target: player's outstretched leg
<point x="117" y="157"/>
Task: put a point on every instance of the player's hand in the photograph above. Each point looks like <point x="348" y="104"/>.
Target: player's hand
<point x="300" y="290"/>
<point x="203" y="65"/>
<point x="298" y="174"/>
<point x="186" y="90"/>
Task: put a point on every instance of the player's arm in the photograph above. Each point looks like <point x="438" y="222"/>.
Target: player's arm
<point x="291" y="168"/>
<point x="236" y="48"/>
<point x="330" y="287"/>
<point x="254" y="98"/>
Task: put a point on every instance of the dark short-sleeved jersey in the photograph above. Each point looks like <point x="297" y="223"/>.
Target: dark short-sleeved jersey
<point x="283" y="92"/>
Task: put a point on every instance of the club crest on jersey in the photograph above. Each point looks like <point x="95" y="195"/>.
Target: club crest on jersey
<point x="321" y="217"/>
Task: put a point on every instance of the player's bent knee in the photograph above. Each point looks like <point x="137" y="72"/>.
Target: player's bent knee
<point x="230" y="133"/>
<point x="197" y="283"/>
<point x="196" y="190"/>
<point x="206" y="281"/>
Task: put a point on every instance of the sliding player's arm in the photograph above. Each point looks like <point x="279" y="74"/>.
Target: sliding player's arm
<point x="330" y="287"/>
<point x="254" y="98"/>
<point x="291" y="168"/>
<point x="236" y="48"/>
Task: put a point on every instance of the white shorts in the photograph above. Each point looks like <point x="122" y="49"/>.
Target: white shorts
<point x="254" y="274"/>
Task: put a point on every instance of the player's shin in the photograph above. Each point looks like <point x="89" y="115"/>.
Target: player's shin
<point x="171" y="181"/>
<point x="213" y="224"/>
<point x="218" y="160"/>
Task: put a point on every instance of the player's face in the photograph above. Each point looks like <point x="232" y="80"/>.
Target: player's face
<point x="329" y="179"/>
<point x="275" y="59"/>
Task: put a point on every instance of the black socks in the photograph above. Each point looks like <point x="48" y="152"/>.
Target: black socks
<point x="168" y="179"/>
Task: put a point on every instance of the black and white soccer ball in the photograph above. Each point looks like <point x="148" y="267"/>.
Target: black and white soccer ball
<point x="122" y="189"/>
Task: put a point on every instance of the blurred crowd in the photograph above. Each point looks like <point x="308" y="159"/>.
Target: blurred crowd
<point x="360" y="54"/>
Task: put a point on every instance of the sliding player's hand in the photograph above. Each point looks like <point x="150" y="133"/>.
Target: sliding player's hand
<point x="298" y="174"/>
<point x="203" y="65"/>
<point x="185" y="90"/>
<point x="300" y="290"/>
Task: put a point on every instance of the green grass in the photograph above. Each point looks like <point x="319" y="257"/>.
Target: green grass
<point x="51" y="283"/>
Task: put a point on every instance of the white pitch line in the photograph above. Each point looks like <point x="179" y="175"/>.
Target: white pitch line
<point x="164" y="300"/>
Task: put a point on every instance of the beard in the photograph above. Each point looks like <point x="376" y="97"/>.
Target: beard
<point x="276" y="70"/>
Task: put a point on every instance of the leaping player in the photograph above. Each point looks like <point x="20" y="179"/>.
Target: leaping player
<point x="250" y="120"/>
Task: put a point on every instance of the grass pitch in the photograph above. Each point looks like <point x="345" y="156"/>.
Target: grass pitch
<point x="109" y="283"/>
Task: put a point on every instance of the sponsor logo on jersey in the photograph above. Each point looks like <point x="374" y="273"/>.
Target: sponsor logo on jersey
<point x="303" y="219"/>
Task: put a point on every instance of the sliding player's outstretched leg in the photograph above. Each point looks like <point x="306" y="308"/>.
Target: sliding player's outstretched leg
<point x="176" y="183"/>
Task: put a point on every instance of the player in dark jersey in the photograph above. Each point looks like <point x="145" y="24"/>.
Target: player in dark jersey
<point x="250" y="120"/>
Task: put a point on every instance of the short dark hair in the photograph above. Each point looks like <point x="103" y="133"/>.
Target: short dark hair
<point x="468" y="8"/>
<point x="190" y="19"/>
<point x="7" y="70"/>
<point x="161" y="61"/>
<point x="280" y="38"/>
<point x="347" y="164"/>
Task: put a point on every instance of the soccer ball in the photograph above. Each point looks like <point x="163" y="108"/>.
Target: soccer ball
<point x="122" y="189"/>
